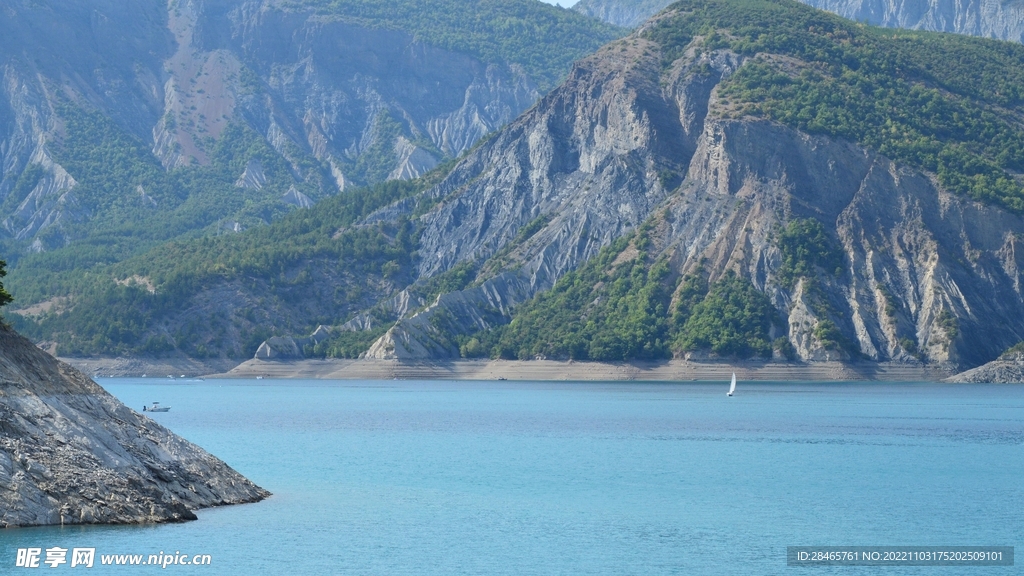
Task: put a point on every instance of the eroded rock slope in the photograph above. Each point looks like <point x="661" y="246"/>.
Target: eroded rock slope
<point x="70" y="453"/>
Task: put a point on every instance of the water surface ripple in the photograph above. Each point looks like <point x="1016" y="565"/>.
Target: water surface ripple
<point x="520" y="478"/>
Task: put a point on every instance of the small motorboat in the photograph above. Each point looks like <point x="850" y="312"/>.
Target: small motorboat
<point x="156" y="407"/>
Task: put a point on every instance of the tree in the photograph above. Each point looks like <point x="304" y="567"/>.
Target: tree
<point x="5" y="296"/>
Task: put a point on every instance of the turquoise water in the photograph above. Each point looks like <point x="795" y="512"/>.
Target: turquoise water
<point x="509" y="478"/>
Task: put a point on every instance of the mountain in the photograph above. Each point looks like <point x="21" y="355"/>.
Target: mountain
<point x="70" y="453"/>
<point x="126" y="125"/>
<point x="792" y="184"/>
<point x="1003" y="20"/>
<point x="737" y="178"/>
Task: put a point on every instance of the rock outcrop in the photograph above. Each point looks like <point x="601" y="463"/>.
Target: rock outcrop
<point x="995" y="372"/>
<point x="70" y="453"/>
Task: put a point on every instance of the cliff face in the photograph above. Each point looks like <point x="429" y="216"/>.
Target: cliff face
<point x="52" y="52"/>
<point x="625" y="140"/>
<point x="323" y="84"/>
<point x="586" y="161"/>
<point x="341" y="102"/>
<point x="70" y="453"/>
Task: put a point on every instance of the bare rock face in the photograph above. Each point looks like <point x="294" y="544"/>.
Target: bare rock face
<point x="70" y="453"/>
<point x="627" y="13"/>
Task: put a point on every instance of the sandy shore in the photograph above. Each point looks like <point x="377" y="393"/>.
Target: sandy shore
<point x="674" y="370"/>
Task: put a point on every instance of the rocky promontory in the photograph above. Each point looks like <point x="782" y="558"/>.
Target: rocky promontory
<point x="1001" y="371"/>
<point x="70" y="453"/>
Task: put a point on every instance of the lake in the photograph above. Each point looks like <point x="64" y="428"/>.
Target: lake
<point x="519" y="478"/>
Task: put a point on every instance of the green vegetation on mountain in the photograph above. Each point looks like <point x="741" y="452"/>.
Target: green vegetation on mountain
<point x="453" y="280"/>
<point x="949" y="323"/>
<point x="733" y="320"/>
<point x="347" y="344"/>
<point x="5" y="296"/>
<point x="603" y="311"/>
<point x="379" y="159"/>
<point x="112" y="314"/>
<point x="618" y="306"/>
<point x="944" y="103"/>
<point x="806" y="247"/>
<point x="541" y="38"/>
<point x="133" y="204"/>
<point x="1013" y="352"/>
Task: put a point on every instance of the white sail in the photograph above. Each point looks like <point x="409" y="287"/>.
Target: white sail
<point x="732" y="387"/>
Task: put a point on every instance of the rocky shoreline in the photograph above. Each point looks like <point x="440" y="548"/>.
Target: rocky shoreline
<point x="997" y="372"/>
<point x="70" y="453"/>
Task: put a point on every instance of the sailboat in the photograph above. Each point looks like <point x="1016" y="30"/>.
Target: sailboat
<point x="732" y="387"/>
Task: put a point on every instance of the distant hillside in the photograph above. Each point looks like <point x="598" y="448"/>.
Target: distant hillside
<point x="543" y="40"/>
<point x="125" y="126"/>
<point x="129" y="124"/>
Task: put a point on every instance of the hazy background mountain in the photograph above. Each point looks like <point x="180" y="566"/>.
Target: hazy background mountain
<point x="1002" y="19"/>
<point x="182" y="116"/>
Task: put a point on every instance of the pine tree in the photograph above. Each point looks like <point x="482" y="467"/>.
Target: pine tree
<point x="5" y="296"/>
